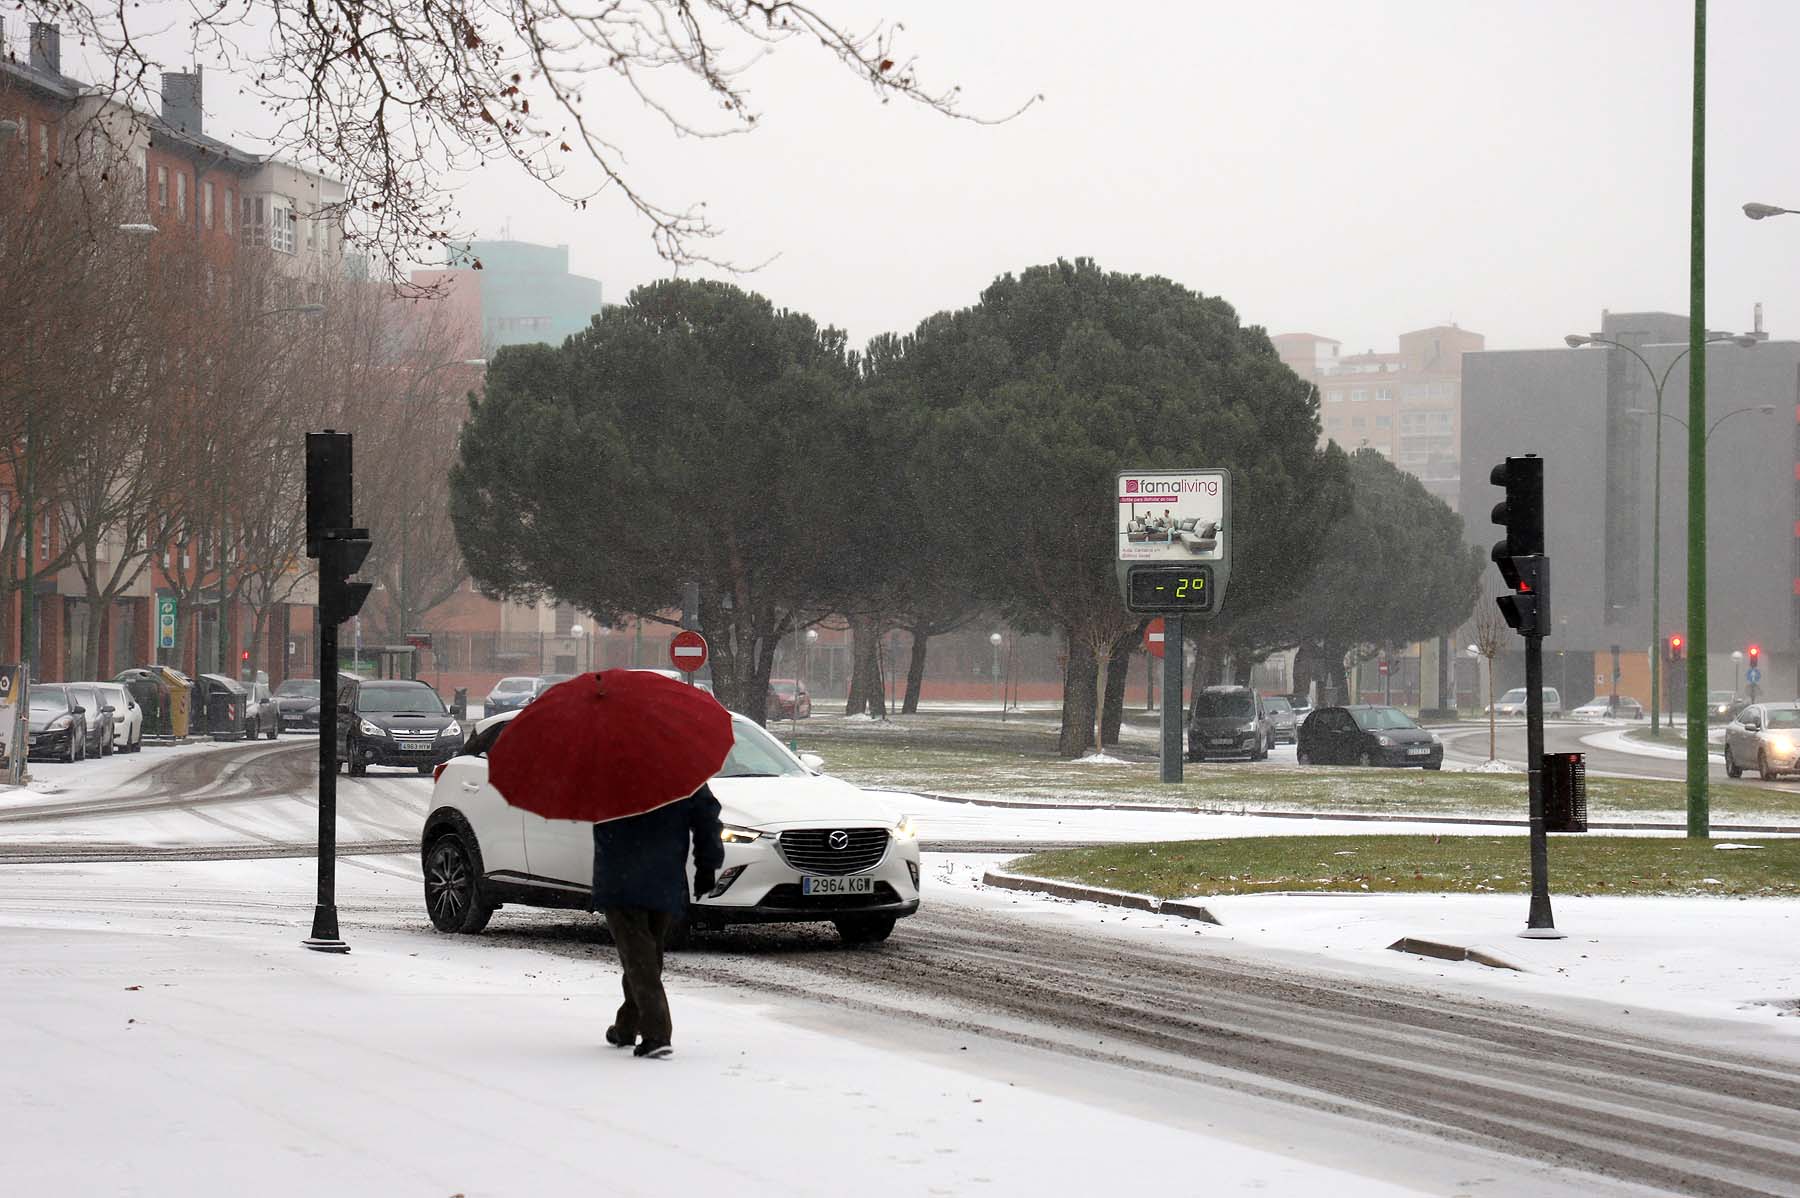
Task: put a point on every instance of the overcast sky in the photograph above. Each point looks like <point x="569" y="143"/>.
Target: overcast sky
<point x="1349" y="169"/>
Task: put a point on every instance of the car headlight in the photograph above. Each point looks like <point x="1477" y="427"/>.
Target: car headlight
<point x="451" y="729"/>
<point x="1782" y="744"/>
<point x="1248" y="730"/>
<point x="737" y="834"/>
<point x="313" y="710"/>
<point x="59" y="723"/>
<point x="1386" y="742"/>
<point x="368" y="729"/>
<point x="1435" y="740"/>
<point x="906" y="829"/>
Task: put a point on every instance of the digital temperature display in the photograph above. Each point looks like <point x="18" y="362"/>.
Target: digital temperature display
<point x="1170" y="588"/>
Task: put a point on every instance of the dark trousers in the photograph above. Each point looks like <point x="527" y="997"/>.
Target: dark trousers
<point x="639" y="934"/>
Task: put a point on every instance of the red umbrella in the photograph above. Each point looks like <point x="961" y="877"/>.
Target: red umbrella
<point x="604" y="746"/>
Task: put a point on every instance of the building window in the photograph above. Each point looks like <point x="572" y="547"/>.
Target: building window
<point x="139" y="161"/>
<point x="1358" y="423"/>
<point x="1359" y="395"/>
<point x="43" y="145"/>
<point x="1384" y="421"/>
<point x="162" y="187"/>
<point x="1334" y="423"/>
<point x="1383" y="394"/>
<point x="230" y="207"/>
<point x="1334" y="397"/>
<point x="181" y="195"/>
<point x="206" y="204"/>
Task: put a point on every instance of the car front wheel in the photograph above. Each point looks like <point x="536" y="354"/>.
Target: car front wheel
<point x="865" y="929"/>
<point x="453" y="895"/>
<point x="1732" y="768"/>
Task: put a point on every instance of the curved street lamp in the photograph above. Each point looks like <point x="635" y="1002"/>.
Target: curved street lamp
<point x="1658" y="381"/>
<point x="1758" y="211"/>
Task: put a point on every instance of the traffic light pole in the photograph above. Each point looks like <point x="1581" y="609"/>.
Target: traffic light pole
<point x="324" y="936"/>
<point x="1539" y="924"/>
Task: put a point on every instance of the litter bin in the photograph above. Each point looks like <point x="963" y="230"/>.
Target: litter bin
<point x="1565" y="792"/>
<point x="459" y="703"/>
<point x="152" y="696"/>
<point x="224" y="705"/>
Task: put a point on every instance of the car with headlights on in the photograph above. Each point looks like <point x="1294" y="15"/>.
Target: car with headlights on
<point x="1764" y="737"/>
<point x="800" y="847"/>
<point x="394" y="722"/>
<point x="1721" y="706"/>
<point x="1365" y="734"/>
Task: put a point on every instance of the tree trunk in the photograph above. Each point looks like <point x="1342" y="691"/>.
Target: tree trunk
<point x="1241" y="665"/>
<point x="1208" y="669"/>
<point x="866" y="693"/>
<point x="90" y="640"/>
<point x="1117" y="668"/>
<point x="915" y="673"/>
<point x="1492" y="751"/>
<point x="1078" y="702"/>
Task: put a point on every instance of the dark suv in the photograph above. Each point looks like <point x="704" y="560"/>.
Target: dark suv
<point x="394" y="722"/>
<point x="1229" y="721"/>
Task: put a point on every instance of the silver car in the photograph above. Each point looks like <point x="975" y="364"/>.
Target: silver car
<point x="1764" y="737"/>
<point x="1282" y="719"/>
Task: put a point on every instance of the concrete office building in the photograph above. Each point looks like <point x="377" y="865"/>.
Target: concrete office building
<point x="1590" y="413"/>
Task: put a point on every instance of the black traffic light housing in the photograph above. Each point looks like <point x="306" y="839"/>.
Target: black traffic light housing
<point x="1676" y="642"/>
<point x="1755" y="652"/>
<point x="327" y="486"/>
<point x="340" y="557"/>
<point x="1520" y="553"/>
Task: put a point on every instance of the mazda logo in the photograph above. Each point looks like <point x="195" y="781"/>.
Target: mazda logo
<point x="838" y="840"/>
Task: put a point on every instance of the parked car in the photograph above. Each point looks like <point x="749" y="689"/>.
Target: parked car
<point x="1512" y="703"/>
<point x="1603" y="707"/>
<point x="99" y="712"/>
<point x="128" y="717"/>
<point x="1283" y="722"/>
<point x="788" y="699"/>
<point x="1229" y="721"/>
<point x="57" y="721"/>
<point x="510" y="694"/>
<point x="394" y="722"/>
<point x="1764" y="737"/>
<point x="1365" y="734"/>
<point x="550" y="680"/>
<point x="297" y="704"/>
<point x="800" y="847"/>
<point x="262" y="714"/>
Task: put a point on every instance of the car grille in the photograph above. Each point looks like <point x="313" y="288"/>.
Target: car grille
<point x="787" y="897"/>
<point x="810" y="850"/>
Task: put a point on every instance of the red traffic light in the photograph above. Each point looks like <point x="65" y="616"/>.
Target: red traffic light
<point x="1675" y="643"/>
<point x="1755" y="653"/>
<point x="245" y="656"/>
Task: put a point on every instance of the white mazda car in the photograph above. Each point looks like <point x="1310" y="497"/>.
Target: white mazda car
<point x="799" y="847"/>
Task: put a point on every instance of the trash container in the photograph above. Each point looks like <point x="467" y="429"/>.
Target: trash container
<point x="1565" y="792"/>
<point x="152" y="695"/>
<point x="224" y="705"/>
<point x="459" y="703"/>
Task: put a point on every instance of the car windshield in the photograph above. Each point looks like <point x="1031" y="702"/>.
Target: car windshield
<point x="1514" y="696"/>
<point x="299" y="688"/>
<point x="1276" y="704"/>
<point x="49" y="699"/>
<point x="1380" y="719"/>
<point x="1783" y="717"/>
<point x="508" y="686"/>
<point x="1719" y="696"/>
<point x="418" y="699"/>
<point x="1228" y="705"/>
<point x="783" y="688"/>
<point x="756" y="754"/>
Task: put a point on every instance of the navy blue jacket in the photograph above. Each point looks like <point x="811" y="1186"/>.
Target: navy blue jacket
<point x="641" y="861"/>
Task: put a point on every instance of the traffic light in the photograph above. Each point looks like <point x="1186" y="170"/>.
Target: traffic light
<point x="1755" y="652"/>
<point x="1675" y="646"/>
<point x="327" y="486"/>
<point x="341" y="557"/>
<point x="1520" y="554"/>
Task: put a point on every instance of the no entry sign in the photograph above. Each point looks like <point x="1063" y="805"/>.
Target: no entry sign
<point x="1153" y="637"/>
<point x="687" y="651"/>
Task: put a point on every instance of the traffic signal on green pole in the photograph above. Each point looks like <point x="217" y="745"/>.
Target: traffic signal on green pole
<point x="1676" y="644"/>
<point x="1520" y="554"/>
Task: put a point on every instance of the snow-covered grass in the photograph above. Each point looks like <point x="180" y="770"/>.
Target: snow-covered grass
<point x="170" y="1036"/>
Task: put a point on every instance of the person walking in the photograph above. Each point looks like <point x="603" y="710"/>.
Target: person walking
<point x="640" y="885"/>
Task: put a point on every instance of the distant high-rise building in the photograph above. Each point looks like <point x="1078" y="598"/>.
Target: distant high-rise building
<point x="1407" y="406"/>
<point x="515" y="293"/>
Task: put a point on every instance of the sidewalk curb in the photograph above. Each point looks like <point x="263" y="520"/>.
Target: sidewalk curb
<point x="1095" y="894"/>
<point x="1452" y="952"/>
<point x="1364" y="817"/>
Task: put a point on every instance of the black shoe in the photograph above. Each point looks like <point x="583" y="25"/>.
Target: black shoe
<point x="654" y="1049"/>
<point x="618" y="1039"/>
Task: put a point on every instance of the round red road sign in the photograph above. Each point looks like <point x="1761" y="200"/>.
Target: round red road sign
<point x="687" y="651"/>
<point x="1384" y="667"/>
<point x="1153" y="637"/>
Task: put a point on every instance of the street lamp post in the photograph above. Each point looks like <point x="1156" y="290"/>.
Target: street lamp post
<point x="1658" y="381"/>
<point x="995" y="639"/>
<point x="577" y="631"/>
